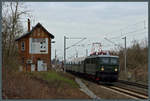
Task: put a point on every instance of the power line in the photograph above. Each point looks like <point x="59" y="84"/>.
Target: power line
<point x="65" y="48"/>
<point x="76" y="42"/>
<point x="111" y="41"/>
<point x="120" y="30"/>
<point x="139" y="33"/>
<point x="127" y="33"/>
<point x="134" y="31"/>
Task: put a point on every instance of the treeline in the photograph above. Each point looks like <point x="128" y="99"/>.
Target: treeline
<point x="137" y="61"/>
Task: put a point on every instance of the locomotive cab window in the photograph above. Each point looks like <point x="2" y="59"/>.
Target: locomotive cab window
<point x="105" y="60"/>
<point x="113" y="60"/>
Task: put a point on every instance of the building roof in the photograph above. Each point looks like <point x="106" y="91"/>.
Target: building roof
<point x="37" y="25"/>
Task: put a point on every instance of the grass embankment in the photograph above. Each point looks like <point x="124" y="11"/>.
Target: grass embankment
<point x="56" y="78"/>
<point x="37" y="85"/>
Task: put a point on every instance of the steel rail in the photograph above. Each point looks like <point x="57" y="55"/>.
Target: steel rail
<point x="129" y="92"/>
<point x="133" y="84"/>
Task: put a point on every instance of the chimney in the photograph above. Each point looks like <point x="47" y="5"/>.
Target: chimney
<point x="28" y="25"/>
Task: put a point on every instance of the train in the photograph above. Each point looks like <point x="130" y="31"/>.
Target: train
<point x="100" y="67"/>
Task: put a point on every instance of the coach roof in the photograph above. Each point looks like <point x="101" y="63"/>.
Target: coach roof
<point x="95" y="56"/>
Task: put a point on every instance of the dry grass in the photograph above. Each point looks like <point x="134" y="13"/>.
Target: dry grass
<point x="24" y="86"/>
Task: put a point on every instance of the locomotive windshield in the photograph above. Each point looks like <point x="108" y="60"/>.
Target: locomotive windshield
<point x="109" y="60"/>
<point x="114" y="60"/>
<point x="105" y="60"/>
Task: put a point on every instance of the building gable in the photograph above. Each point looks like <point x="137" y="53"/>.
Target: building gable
<point x="37" y="29"/>
<point x="39" y="32"/>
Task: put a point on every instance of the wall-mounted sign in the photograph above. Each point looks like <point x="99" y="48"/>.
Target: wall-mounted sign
<point x="38" y="45"/>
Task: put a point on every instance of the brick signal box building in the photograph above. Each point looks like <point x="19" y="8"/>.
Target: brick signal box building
<point x="34" y="49"/>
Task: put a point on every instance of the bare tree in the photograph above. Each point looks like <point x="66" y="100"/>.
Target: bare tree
<point x="11" y="26"/>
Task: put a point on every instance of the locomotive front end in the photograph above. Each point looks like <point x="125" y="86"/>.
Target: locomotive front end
<point x="108" y="69"/>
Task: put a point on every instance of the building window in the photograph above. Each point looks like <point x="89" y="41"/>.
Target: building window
<point x="43" y="45"/>
<point x="23" y="46"/>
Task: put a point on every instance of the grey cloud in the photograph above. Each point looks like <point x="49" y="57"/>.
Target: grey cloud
<point x="93" y="20"/>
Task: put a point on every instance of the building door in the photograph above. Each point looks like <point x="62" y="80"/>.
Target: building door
<point x="40" y="65"/>
<point x="32" y="67"/>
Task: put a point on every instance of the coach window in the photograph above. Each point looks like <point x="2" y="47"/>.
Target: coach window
<point x="79" y="62"/>
<point x="82" y="62"/>
<point x="88" y="61"/>
<point x="92" y="61"/>
<point x="23" y="46"/>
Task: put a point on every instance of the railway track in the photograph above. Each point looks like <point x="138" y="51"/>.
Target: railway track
<point x="130" y="90"/>
<point x="125" y="90"/>
<point x="131" y="94"/>
<point x="134" y="87"/>
<point x="133" y="84"/>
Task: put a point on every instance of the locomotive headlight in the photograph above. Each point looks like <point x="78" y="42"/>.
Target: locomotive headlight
<point x="116" y="69"/>
<point x="102" y="69"/>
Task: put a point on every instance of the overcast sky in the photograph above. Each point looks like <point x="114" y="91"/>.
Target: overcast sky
<point x="93" y="20"/>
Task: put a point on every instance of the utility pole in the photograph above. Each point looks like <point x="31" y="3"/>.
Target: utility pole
<point x="86" y="52"/>
<point x="125" y="55"/>
<point x="64" y="53"/>
<point x="76" y="54"/>
<point x="65" y="48"/>
<point x="55" y="57"/>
